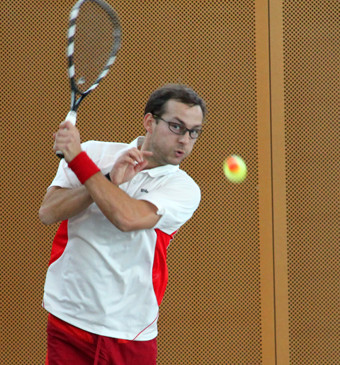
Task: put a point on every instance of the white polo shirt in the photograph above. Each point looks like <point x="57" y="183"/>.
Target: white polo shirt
<point x="110" y="282"/>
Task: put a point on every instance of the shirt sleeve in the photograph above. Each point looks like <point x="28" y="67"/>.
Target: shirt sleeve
<point x="176" y="203"/>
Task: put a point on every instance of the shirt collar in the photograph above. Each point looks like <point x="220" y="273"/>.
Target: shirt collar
<point x="156" y="171"/>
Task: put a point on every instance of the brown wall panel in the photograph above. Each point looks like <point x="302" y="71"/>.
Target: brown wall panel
<point x="312" y="115"/>
<point x="264" y="140"/>
<point x="278" y="183"/>
<point x="305" y="119"/>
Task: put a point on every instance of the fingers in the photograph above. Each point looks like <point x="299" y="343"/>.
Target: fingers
<point x="139" y="159"/>
<point x="135" y="156"/>
<point x="141" y="166"/>
<point x="67" y="140"/>
<point x="147" y="153"/>
<point x="128" y="165"/>
<point x="66" y="125"/>
<point x="65" y="130"/>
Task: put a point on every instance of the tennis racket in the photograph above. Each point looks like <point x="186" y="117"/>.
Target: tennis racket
<point x="94" y="36"/>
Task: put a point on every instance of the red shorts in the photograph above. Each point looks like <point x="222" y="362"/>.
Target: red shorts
<point x="67" y="344"/>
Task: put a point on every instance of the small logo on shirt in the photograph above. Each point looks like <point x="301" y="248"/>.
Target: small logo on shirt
<point x="144" y="190"/>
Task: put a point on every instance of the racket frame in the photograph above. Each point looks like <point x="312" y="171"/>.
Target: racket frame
<point x="72" y="115"/>
<point x="70" y="49"/>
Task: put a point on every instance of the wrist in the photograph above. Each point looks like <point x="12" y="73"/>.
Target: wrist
<point x="83" y="167"/>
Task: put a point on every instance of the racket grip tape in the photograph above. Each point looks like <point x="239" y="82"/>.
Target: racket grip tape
<point x="71" y="117"/>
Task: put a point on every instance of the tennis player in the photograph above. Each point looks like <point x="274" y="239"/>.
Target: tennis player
<point x="118" y="205"/>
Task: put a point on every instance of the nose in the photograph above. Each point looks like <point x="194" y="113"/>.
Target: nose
<point x="184" y="138"/>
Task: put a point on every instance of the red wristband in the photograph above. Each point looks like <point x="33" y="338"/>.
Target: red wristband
<point x="83" y="167"/>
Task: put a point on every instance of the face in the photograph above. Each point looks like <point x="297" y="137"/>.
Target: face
<point x="166" y="146"/>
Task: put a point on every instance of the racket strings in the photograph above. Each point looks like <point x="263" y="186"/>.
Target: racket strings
<point x="94" y="40"/>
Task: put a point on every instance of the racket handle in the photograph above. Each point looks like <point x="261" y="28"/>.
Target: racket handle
<point x="71" y="117"/>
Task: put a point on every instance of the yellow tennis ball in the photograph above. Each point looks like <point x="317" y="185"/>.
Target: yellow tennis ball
<point x="235" y="169"/>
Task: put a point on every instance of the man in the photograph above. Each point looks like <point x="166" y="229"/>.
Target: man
<point x="119" y="206"/>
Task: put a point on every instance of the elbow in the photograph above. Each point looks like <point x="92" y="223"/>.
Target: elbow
<point x="45" y="217"/>
<point x="130" y="224"/>
<point x="124" y="229"/>
<point x="124" y="225"/>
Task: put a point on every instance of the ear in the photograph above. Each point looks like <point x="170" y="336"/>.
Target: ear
<point x="148" y="122"/>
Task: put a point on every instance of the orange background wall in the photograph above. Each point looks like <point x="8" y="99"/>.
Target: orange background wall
<point x="254" y="275"/>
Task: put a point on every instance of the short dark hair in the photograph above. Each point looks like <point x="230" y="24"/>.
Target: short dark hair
<point x="182" y="93"/>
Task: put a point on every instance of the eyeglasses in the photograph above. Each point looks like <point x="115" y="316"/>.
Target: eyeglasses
<point x="180" y="129"/>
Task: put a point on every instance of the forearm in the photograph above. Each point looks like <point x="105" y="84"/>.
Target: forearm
<point x="60" y="204"/>
<point x="126" y="213"/>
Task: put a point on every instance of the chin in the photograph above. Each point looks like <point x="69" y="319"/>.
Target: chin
<point x="178" y="160"/>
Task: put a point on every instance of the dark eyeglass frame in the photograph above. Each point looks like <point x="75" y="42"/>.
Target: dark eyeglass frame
<point x="182" y="130"/>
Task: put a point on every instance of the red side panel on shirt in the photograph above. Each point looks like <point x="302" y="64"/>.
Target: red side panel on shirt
<point x="59" y="242"/>
<point x="160" y="268"/>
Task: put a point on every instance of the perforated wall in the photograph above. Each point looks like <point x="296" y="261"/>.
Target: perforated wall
<point x="212" y="309"/>
<point x="312" y="114"/>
